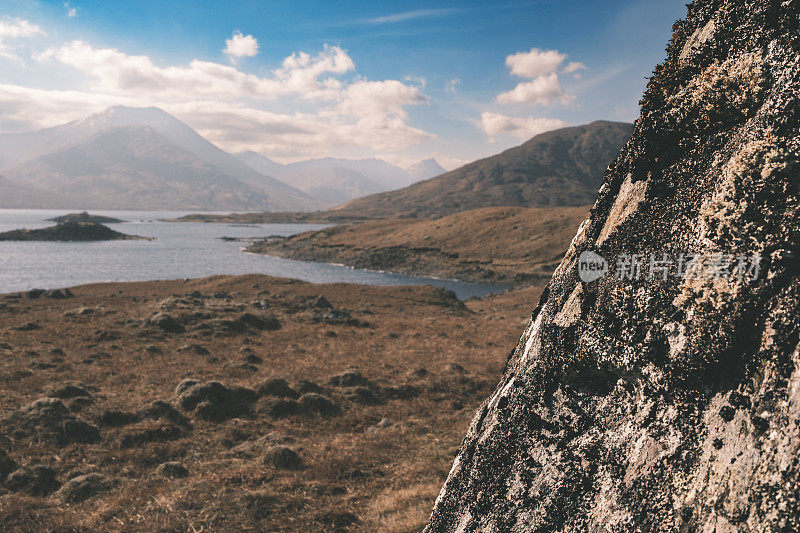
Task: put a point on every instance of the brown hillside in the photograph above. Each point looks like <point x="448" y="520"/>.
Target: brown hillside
<point x="557" y="168"/>
<point x="496" y="244"/>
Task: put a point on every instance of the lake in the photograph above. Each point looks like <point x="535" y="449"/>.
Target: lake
<point x="181" y="250"/>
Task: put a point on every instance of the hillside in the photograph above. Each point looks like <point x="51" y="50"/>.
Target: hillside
<point x="645" y="396"/>
<point x="134" y="158"/>
<point x="558" y="168"/>
<point x="504" y="245"/>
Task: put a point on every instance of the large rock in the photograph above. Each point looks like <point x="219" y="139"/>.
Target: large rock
<point x="666" y="403"/>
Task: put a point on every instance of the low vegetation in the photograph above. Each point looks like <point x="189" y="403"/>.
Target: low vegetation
<point x="240" y="403"/>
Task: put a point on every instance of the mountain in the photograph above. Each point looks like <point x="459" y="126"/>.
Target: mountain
<point x="561" y="167"/>
<point x="660" y="398"/>
<point x="335" y="181"/>
<point x="425" y="169"/>
<point x="385" y="174"/>
<point x="23" y="155"/>
<point x="262" y="164"/>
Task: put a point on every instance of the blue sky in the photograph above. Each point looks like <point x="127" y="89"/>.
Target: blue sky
<point x="401" y="81"/>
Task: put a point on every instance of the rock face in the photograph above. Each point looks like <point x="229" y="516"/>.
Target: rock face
<point x="666" y="402"/>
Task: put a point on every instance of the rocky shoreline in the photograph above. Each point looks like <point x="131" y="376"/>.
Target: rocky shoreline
<point x="516" y="246"/>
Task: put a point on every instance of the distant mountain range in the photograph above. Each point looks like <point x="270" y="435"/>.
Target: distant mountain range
<point x="144" y="158"/>
<point x="338" y="180"/>
<point x="559" y="168"/>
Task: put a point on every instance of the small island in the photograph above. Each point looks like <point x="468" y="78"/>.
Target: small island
<point x="70" y="232"/>
<point x="85" y="217"/>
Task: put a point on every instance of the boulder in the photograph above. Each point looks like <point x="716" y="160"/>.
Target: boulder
<point x="656" y="387"/>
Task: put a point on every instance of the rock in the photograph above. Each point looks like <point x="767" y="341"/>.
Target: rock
<point x="349" y="378"/>
<point x="282" y="457"/>
<point x="616" y="410"/>
<point x="37" y="480"/>
<point x="152" y="349"/>
<point x="166" y="322"/>
<point x="260" y="323"/>
<point x="321" y="303"/>
<point x="83" y="487"/>
<point x="34" y="293"/>
<point x="48" y="419"/>
<point x="57" y="294"/>
<point x="215" y="402"/>
<point x="277" y="387"/>
<point x="318" y="404"/>
<point x="28" y="326"/>
<point x="172" y="469"/>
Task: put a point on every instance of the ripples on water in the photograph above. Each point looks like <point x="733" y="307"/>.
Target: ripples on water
<point x="181" y="250"/>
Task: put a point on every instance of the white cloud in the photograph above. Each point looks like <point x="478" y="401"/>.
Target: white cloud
<point x="574" y="66"/>
<point x="544" y="90"/>
<point x="535" y="63"/>
<point x="542" y="67"/>
<point x="120" y="73"/>
<point x="71" y="11"/>
<point x="240" y="45"/>
<point x="520" y="127"/>
<point x="452" y="86"/>
<point x="15" y="28"/>
<point x="229" y="106"/>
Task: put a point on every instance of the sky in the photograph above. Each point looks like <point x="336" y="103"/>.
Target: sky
<point x="401" y="81"/>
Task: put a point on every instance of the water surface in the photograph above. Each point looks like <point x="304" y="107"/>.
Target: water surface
<point x="181" y="250"/>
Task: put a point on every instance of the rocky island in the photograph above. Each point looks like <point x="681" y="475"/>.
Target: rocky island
<point x="85" y="217"/>
<point x="70" y="232"/>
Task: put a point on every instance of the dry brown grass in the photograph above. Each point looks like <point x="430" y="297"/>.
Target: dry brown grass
<point x="355" y="476"/>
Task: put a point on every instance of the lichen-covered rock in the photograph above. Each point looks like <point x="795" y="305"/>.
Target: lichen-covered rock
<point x="663" y="402"/>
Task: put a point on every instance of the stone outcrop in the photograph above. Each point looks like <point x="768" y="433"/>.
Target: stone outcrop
<point x="666" y="398"/>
